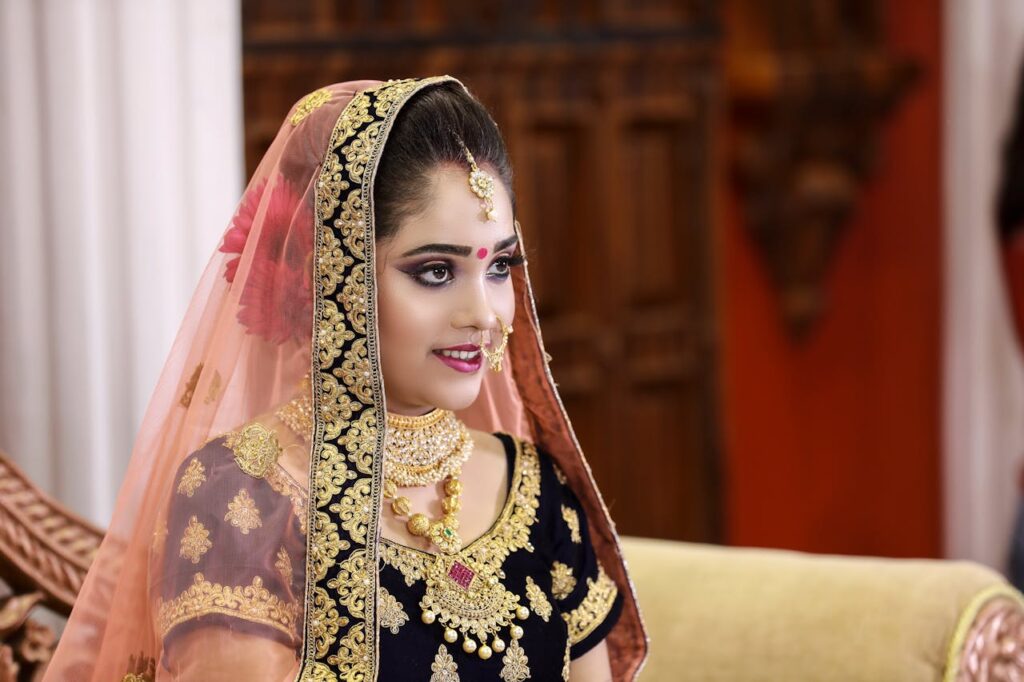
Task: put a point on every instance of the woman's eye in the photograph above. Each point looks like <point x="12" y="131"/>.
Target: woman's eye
<point x="434" y="274"/>
<point x="499" y="268"/>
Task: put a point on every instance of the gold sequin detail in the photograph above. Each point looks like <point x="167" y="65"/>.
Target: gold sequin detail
<point x="242" y="512"/>
<point x="310" y="103"/>
<point x="585" y="618"/>
<point x="572" y="520"/>
<point x="195" y="542"/>
<point x="252" y="602"/>
<point x="283" y="564"/>
<point x="214" y="390"/>
<point x="392" y="615"/>
<point x="560" y="475"/>
<point x="255" y="447"/>
<point x="444" y="668"/>
<point x="563" y="582"/>
<point x="193" y="477"/>
<point x="516" y="665"/>
<point x="566" y="661"/>
<point x="141" y="668"/>
<point x="538" y="600"/>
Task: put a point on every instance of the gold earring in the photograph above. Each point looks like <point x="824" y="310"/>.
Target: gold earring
<point x="496" y="355"/>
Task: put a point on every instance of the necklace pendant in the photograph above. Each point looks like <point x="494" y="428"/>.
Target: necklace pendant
<point x="446" y="538"/>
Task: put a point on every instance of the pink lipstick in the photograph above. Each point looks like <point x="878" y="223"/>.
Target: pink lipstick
<point x="466" y="358"/>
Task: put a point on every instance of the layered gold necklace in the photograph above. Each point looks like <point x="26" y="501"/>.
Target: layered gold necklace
<point x="422" y="451"/>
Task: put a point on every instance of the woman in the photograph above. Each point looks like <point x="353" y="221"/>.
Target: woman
<point x="352" y="468"/>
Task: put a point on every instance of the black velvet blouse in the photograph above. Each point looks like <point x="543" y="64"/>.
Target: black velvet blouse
<point x="236" y="535"/>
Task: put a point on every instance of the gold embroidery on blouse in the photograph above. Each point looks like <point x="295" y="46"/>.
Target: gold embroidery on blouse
<point x="193" y="477"/>
<point x="243" y="513"/>
<point x="516" y="665"/>
<point x="565" y="661"/>
<point x="463" y="590"/>
<point x="563" y="582"/>
<point x="255" y="447"/>
<point x="592" y="611"/>
<point x="283" y="484"/>
<point x="538" y="600"/>
<point x="190" y="386"/>
<point x="141" y="668"/>
<point x="572" y="520"/>
<point x="444" y="668"/>
<point x="392" y="615"/>
<point x="560" y="475"/>
<point x="284" y="565"/>
<point x="252" y="602"/>
<point x="214" y="390"/>
<point x="310" y="103"/>
<point x="195" y="542"/>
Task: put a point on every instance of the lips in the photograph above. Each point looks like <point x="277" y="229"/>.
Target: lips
<point x="465" y="358"/>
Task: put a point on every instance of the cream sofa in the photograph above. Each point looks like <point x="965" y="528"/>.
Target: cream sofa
<point x="730" y="614"/>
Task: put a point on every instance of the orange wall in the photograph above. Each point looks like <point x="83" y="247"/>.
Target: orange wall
<point x="833" y="445"/>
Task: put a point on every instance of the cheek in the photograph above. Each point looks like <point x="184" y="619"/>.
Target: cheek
<point x="406" y="320"/>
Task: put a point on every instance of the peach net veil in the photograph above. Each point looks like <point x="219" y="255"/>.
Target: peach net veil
<point x="245" y="534"/>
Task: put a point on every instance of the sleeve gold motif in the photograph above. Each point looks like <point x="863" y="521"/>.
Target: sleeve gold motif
<point x="585" y="618"/>
<point x="392" y="615"/>
<point x="253" y="603"/>
<point x="255" y="447"/>
<point x="283" y="564"/>
<point x="563" y="582"/>
<point x="242" y="512"/>
<point x="538" y="600"/>
<point x="572" y="520"/>
<point x="195" y="542"/>
<point x="192" y="478"/>
<point x="444" y="668"/>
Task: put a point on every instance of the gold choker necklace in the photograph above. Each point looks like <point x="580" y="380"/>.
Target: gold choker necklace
<point x="427" y="449"/>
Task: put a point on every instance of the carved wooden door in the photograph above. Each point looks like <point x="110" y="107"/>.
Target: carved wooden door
<point x="609" y="110"/>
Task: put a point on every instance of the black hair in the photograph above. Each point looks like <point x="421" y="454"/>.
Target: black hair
<point x="425" y="135"/>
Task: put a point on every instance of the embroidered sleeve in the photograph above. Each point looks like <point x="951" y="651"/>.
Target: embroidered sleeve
<point x="231" y="552"/>
<point x="588" y="600"/>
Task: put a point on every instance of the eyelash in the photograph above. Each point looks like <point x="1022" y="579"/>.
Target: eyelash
<point x="418" y="273"/>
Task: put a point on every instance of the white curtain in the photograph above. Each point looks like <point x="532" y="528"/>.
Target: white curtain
<point x="120" y="164"/>
<point x="984" y="378"/>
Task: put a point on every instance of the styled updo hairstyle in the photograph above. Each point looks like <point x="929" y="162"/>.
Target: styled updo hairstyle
<point x="425" y="135"/>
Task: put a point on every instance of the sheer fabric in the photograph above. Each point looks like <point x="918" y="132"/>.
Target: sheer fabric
<point x="242" y="544"/>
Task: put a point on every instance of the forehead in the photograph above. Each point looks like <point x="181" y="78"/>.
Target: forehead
<point x="454" y="214"/>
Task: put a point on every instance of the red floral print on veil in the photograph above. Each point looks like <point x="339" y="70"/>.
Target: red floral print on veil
<point x="276" y="302"/>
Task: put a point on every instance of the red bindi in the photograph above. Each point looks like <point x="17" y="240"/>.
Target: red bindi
<point x="481" y="253"/>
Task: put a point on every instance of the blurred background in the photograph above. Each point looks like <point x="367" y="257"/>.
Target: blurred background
<point x="762" y="233"/>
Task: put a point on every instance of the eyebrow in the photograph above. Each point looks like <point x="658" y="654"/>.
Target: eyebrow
<point x="457" y="250"/>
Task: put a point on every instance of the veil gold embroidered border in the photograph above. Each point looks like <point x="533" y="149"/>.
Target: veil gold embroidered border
<point x="341" y="630"/>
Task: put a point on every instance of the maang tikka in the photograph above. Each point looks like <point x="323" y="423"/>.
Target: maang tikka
<point x="480" y="182"/>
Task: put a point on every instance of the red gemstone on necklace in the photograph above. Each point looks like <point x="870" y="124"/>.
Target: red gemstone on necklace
<point x="461" y="574"/>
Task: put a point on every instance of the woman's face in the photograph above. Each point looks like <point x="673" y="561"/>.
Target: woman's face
<point x="442" y="281"/>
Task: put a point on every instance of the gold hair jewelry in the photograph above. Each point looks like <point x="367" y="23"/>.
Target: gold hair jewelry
<point x="481" y="183"/>
<point x="494" y="356"/>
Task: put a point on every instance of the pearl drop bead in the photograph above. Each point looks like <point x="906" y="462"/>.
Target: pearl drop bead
<point x="522" y="613"/>
<point x="428" y="617"/>
<point x="484" y="652"/>
<point x="468" y="645"/>
<point x="450" y="635"/>
<point x="517" y="632"/>
<point x="498" y="644"/>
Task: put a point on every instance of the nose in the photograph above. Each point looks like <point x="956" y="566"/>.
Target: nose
<point x="475" y="312"/>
